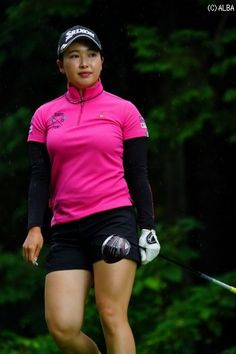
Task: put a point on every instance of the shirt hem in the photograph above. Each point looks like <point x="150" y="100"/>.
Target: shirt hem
<point x="75" y="218"/>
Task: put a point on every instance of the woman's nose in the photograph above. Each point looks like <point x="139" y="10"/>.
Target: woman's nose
<point x="83" y="63"/>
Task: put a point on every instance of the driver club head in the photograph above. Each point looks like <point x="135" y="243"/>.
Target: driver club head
<point x="114" y="248"/>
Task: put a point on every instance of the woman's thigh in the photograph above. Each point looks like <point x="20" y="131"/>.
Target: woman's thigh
<point x="65" y="293"/>
<point x="113" y="285"/>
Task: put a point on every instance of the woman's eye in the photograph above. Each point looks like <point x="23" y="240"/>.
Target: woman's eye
<point x="93" y="54"/>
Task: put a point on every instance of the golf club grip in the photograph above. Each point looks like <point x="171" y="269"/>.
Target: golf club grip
<point x="174" y="261"/>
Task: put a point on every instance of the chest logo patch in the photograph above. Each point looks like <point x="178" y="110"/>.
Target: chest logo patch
<point x="57" y="120"/>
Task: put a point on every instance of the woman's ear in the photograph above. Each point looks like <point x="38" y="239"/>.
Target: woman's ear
<point x="60" y="66"/>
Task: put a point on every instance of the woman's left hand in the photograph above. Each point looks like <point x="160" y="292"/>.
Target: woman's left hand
<point x="149" y="245"/>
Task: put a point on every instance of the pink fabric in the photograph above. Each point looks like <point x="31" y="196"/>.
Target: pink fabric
<point x="84" y="138"/>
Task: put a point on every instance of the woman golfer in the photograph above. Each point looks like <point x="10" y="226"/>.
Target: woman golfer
<point x="88" y="152"/>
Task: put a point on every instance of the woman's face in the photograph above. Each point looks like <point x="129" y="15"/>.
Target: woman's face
<point x="81" y="65"/>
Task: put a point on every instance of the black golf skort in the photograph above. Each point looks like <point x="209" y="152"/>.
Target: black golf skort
<point x="77" y="245"/>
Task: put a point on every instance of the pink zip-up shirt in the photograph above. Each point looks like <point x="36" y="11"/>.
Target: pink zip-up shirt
<point x="84" y="137"/>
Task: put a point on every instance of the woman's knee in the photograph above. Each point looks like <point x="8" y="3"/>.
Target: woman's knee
<point x="63" y="331"/>
<point x="112" y="317"/>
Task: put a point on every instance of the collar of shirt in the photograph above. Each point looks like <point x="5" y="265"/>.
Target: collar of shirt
<point x="74" y="96"/>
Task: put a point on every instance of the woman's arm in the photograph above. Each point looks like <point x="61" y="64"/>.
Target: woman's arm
<point x="37" y="200"/>
<point x="136" y="174"/>
<point x="38" y="194"/>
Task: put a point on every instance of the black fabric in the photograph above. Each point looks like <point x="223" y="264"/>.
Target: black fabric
<point x="38" y="195"/>
<point x="78" y="244"/>
<point x="136" y="174"/>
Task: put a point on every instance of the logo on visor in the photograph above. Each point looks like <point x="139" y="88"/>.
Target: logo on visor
<point x="72" y="33"/>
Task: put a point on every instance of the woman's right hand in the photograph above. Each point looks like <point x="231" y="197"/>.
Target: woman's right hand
<point x="33" y="244"/>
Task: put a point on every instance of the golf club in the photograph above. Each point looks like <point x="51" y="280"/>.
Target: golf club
<point x="114" y="248"/>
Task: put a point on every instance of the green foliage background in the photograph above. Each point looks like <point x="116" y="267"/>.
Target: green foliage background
<point x="180" y="72"/>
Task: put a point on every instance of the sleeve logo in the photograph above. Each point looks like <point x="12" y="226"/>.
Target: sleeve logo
<point x="142" y="123"/>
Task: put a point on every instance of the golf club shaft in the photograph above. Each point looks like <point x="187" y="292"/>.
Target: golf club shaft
<point x="197" y="273"/>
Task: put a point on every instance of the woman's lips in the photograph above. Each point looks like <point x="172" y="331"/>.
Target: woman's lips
<point x="85" y="74"/>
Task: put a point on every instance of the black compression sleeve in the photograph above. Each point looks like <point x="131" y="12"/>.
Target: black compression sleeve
<point x="136" y="174"/>
<point x="39" y="184"/>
